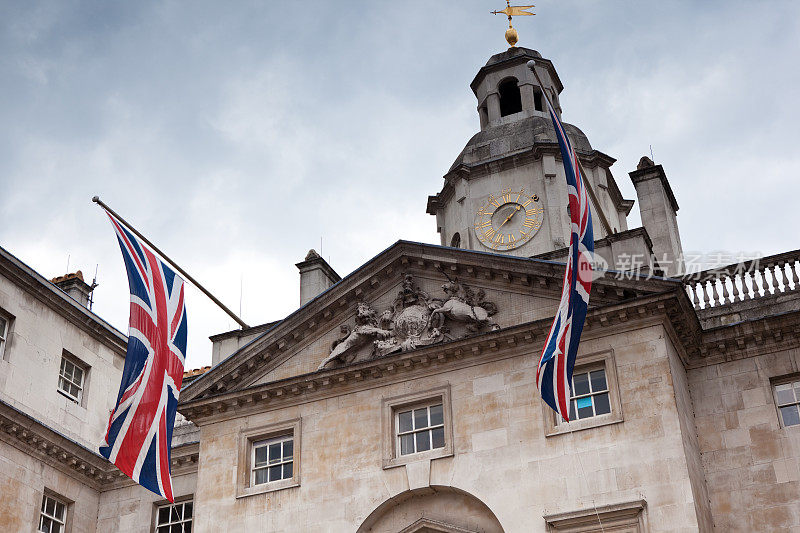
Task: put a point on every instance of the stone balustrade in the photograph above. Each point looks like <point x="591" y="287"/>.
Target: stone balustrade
<point x="748" y="280"/>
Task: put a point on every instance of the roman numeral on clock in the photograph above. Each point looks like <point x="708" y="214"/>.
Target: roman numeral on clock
<point x="503" y="209"/>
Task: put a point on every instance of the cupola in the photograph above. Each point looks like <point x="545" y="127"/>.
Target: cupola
<point x="507" y="90"/>
<point x="506" y="191"/>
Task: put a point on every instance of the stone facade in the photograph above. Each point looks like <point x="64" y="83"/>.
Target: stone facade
<point x="45" y="326"/>
<point x="690" y="438"/>
<point x="502" y="455"/>
<point x="49" y="441"/>
<point x="751" y="462"/>
<point x="24" y="479"/>
<point x="507" y="452"/>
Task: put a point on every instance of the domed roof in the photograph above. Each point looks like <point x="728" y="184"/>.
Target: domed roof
<point x="514" y="56"/>
<point x="512" y="53"/>
<point x="516" y="136"/>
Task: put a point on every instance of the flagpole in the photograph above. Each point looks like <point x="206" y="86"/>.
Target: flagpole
<point x="532" y="65"/>
<point x="186" y="276"/>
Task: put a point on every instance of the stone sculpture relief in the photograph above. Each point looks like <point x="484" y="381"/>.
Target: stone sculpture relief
<point x="413" y="320"/>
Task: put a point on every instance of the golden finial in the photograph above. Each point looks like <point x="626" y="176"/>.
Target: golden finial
<point x="511" y="34"/>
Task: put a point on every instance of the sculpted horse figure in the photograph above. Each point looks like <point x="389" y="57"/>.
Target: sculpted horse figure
<point x="464" y="305"/>
<point x="365" y="331"/>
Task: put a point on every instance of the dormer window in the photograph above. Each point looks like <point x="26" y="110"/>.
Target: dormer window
<point x="510" y="98"/>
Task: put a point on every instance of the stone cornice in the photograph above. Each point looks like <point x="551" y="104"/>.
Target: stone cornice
<point x="598" y="158"/>
<point x="605" y="161"/>
<point x="508" y="342"/>
<point x="184" y="460"/>
<point x="741" y="340"/>
<point x="618" y="303"/>
<point x="605" y="241"/>
<point x="671" y="308"/>
<point x="748" y="338"/>
<point x="35" y="284"/>
<point x="626" y="205"/>
<point x="507" y="161"/>
<point x="37" y="440"/>
<point x="366" y="282"/>
<point x="519" y="158"/>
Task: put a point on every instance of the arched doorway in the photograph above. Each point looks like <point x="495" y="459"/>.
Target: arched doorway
<point x="435" y="509"/>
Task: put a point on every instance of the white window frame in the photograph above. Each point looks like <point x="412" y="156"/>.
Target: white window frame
<point x="393" y="406"/>
<point x="554" y="425"/>
<point x="266" y="443"/>
<point x="251" y="438"/>
<point x="794" y="381"/>
<point x="170" y="522"/>
<point x="81" y="386"/>
<point x="61" y="521"/>
<point x="428" y="429"/>
<point x="5" y="329"/>
<point x="588" y="369"/>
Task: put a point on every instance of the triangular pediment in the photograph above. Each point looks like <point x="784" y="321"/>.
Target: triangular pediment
<point x="408" y="297"/>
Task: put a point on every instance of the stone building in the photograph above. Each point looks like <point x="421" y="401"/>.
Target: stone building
<point x="402" y="398"/>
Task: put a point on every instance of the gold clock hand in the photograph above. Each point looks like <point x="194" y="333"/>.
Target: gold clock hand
<point x="509" y="217"/>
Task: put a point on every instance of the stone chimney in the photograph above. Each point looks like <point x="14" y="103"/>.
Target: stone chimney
<point x="659" y="209"/>
<point x="316" y="277"/>
<point x="74" y="285"/>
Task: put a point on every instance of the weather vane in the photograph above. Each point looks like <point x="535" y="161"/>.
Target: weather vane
<point x="513" y="11"/>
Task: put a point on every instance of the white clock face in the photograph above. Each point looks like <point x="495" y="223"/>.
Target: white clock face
<point x="508" y="219"/>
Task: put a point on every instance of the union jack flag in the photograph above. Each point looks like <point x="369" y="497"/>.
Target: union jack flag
<point x="554" y="374"/>
<point x="139" y="435"/>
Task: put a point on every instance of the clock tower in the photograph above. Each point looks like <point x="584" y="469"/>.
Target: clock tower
<point x="506" y="191"/>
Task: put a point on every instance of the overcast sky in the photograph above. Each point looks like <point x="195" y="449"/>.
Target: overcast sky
<point x="236" y="135"/>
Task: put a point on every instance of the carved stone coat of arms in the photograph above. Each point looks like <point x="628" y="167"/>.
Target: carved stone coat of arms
<point x="415" y="319"/>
